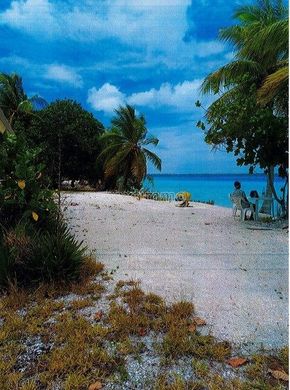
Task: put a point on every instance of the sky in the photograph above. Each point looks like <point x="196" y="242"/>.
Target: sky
<point x="152" y="54"/>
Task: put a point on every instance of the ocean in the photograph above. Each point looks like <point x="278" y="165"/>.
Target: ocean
<point x="209" y="187"/>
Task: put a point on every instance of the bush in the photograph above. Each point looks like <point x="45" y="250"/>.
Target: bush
<point x="31" y="257"/>
<point x="23" y="190"/>
<point x="35" y="245"/>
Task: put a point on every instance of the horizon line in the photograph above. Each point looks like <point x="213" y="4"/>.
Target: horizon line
<point x="206" y="173"/>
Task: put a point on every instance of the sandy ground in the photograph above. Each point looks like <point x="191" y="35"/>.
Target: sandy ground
<point x="236" y="277"/>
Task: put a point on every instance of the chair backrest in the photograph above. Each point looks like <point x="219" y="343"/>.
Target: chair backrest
<point x="237" y="200"/>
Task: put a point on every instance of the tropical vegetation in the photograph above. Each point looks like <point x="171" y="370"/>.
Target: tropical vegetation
<point x="69" y="138"/>
<point x="41" y="145"/>
<point x="250" y="115"/>
<point x="14" y="102"/>
<point x="125" y="150"/>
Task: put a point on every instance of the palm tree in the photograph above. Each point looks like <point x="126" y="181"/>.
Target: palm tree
<point x="13" y="100"/>
<point x="126" y="152"/>
<point x="261" y="44"/>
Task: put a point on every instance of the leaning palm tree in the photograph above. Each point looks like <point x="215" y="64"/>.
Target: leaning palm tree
<point x="126" y="153"/>
<point x="13" y="100"/>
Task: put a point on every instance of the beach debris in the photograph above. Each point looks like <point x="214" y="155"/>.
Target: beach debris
<point x="279" y="374"/>
<point x="74" y="204"/>
<point x="98" y="315"/>
<point x="142" y="332"/>
<point x="198" y="321"/>
<point x="207" y="223"/>
<point x="192" y="328"/>
<point x="236" y="361"/>
<point x="96" y="386"/>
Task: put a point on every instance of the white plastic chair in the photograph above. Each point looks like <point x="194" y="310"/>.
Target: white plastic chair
<point x="237" y="205"/>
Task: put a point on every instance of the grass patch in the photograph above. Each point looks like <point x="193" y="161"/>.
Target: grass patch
<point x="74" y="352"/>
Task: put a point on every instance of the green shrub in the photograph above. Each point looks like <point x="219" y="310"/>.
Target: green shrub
<point x="56" y="256"/>
<point x="23" y="189"/>
<point x="29" y="256"/>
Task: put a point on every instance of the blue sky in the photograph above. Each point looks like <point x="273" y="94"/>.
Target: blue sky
<point x="152" y="54"/>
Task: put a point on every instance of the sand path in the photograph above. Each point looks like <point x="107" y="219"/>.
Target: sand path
<point x="237" y="278"/>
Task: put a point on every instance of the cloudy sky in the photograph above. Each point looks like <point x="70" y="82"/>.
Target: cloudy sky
<point x="152" y="54"/>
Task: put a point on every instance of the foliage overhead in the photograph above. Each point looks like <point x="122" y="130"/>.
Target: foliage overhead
<point x="260" y="42"/>
<point x="125" y="151"/>
<point x="253" y="133"/>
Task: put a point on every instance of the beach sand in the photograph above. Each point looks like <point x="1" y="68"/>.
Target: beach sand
<point x="237" y="278"/>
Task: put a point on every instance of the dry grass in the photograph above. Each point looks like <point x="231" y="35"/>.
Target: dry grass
<point x="75" y="350"/>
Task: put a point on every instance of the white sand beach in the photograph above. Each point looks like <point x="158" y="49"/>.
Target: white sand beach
<point x="236" y="277"/>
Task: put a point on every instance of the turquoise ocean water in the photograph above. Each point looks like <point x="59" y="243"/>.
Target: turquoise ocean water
<point x="206" y="187"/>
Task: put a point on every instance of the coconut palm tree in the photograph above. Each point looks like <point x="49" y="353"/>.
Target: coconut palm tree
<point x="126" y="153"/>
<point x="13" y="100"/>
<point x="260" y="41"/>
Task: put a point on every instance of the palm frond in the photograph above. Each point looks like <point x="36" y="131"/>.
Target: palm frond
<point x="229" y="75"/>
<point x="151" y="140"/>
<point x="273" y="85"/>
<point x="112" y="165"/>
<point x="139" y="168"/>
<point x="156" y="161"/>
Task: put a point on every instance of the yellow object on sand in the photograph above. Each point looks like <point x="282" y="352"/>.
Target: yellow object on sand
<point x="184" y="197"/>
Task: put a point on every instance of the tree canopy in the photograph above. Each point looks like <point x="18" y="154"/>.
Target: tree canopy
<point x="69" y="138"/>
<point x="260" y="42"/>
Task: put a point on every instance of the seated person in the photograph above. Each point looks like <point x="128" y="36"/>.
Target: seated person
<point x="184" y="198"/>
<point x="254" y="194"/>
<point x="238" y="192"/>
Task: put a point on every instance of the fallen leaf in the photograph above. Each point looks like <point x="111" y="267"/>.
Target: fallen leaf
<point x="38" y="176"/>
<point x="142" y="332"/>
<point x="96" y="386"/>
<point x="198" y="321"/>
<point x="236" y="361"/>
<point x="279" y="374"/>
<point x="192" y="328"/>
<point x="35" y="216"/>
<point x="98" y="315"/>
<point x="21" y="184"/>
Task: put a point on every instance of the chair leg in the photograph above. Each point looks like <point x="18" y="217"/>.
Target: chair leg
<point x="242" y="215"/>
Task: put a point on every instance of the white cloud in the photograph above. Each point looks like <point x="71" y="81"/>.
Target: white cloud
<point x="181" y="96"/>
<point x="155" y="28"/>
<point x="107" y="98"/>
<point x="63" y="74"/>
<point x="32" y="16"/>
